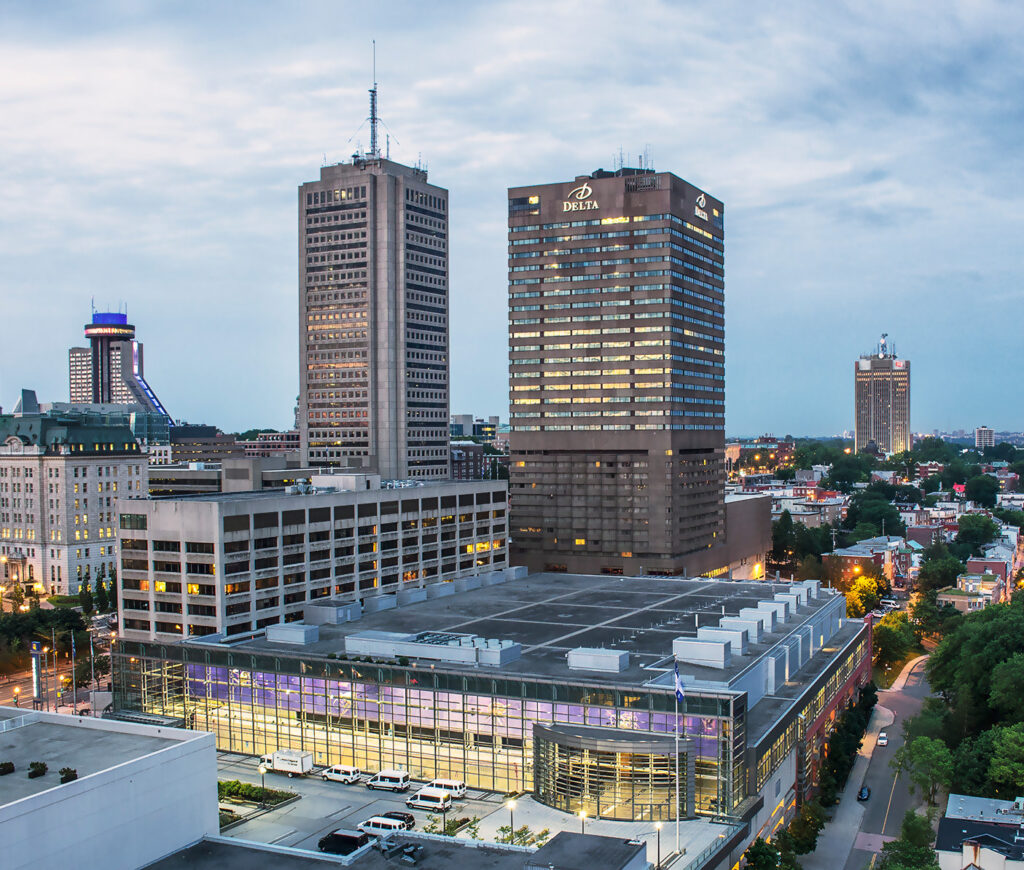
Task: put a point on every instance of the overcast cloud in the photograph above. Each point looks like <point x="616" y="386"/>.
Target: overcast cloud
<point x="869" y="156"/>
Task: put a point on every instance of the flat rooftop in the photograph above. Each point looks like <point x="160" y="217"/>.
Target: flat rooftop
<point x="436" y="855"/>
<point x="86" y="745"/>
<point x="550" y="614"/>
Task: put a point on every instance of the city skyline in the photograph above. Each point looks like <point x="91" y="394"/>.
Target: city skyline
<point x="171" y="188"/>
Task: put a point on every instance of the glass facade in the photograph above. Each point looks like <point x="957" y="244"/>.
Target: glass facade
<point x="436" y="723"/>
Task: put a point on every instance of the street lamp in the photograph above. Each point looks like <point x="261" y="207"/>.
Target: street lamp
<point x="583" y="821"/>
<point x="511" y="818"/>
<point x="263" y="783"/>
<point x="657" y="827"/>
<point x="17" y="692"/>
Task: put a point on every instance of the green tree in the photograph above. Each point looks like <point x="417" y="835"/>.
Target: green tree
<point x="982" y="489"/>
<point x="912" y="849"/>
<point x="805" y="827"/>
<point x="783" y="539"/>
<point x="85" y="597"/>
<point x="974" y="531"/>
<point x="17" y="595"/>
<point x="102" y="599"/>
<point x="1006" y="695"/>
<point x="809" y="569"/>
<point x="864" y="596"/>
<point x="892" y="638"/>
<point x="929" y="764"/>
<point x="762" y="855"/>
<point x="939" y="572"/>
<point x="971" y="762"/>
<point x="1006" y="770"/>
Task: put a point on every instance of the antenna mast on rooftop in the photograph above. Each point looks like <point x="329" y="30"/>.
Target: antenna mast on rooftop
<point x="374" y="150"/>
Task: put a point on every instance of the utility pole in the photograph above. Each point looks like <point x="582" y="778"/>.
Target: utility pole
<point x="74" y="682"/>
<point x="92" y="669"/>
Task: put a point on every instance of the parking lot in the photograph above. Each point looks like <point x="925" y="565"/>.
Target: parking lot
<point x="327" y="806"/>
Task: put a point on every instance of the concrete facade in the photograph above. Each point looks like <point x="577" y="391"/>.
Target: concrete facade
<point x="234" y="563"/>
<point x="142" y="792"/>
<point x="616" y="298"/>
<point x="882" y="401"/>
<point x="373" y="319"/>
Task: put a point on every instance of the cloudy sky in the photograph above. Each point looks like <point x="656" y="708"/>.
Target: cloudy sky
<point x="869" y="156"/>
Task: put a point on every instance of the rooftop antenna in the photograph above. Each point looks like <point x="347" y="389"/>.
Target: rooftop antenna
<point x="374" y="152"/>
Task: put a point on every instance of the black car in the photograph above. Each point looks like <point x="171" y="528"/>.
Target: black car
<point x="343" y="842"/>
<point x="408" y="819"/>
<point x="864" y="793"/>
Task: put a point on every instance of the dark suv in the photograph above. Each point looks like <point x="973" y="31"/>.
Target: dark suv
<point x="343" y="842"/>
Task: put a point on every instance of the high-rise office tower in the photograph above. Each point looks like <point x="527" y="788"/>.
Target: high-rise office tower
<point x="616" y="286"/>
<point x="882" y="400"/>
<point x="110" y="370"/>
<point x="373" y="317"/>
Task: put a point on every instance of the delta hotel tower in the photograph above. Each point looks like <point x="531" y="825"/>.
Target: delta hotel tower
<point x="617" y="362"/>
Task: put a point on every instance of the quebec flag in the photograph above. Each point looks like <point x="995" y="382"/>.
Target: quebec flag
<point x="679" y="685"/>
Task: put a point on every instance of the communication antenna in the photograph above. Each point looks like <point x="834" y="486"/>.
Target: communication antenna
<point x="374" y="152"/>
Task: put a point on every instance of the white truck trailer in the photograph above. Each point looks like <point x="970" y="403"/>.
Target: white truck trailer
<point x="294" y="762"/>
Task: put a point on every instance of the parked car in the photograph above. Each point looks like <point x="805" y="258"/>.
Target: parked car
<point x="455" y="787"/>
<point x="341" y="773"/>
<point x="434" y="800"/>
<point x="391" y="780"/>
<point x="883" y="738"/>
<point x="864" y="793"/>
<point x="379" y="826"/>
<point x="407" y="818"/>
<point x="343" y="842"/>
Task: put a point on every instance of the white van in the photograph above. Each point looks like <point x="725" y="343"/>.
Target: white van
<point x="455" y="787"/>
<point x="434" y="800"/>
<point x="378" y="826"/>
<point x="390" y="780"/>
<point x="341" y="773"/>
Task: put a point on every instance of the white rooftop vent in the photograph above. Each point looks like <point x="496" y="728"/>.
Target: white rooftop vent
<point x="610" y="661"/>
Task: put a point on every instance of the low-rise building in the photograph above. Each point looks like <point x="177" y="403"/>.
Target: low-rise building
<point x="273" y="444"/>
<point x="233" y="563"/>
<point x="981" y="834"/>
<point x="973" y="592"/>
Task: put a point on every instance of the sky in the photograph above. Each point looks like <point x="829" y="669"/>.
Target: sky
<point x="868" y="155"/>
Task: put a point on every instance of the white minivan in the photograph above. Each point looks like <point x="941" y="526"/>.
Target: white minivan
<point x="390" y="780"/>
<point x="433" y="800"/>
<point x="341" y="773"/>
<point x="379" y="826"/>
<point x="455" y="787"/>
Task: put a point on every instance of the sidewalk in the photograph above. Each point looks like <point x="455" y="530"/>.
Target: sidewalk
<point x="901" y="680"/>
<point x="835" y="842"/>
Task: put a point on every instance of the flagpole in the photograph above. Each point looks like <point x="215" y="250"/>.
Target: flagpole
<point x="677" y="770"/>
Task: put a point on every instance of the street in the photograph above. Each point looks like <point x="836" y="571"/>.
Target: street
<point x="890" y="795"/>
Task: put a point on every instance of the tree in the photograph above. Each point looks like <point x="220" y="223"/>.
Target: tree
<point x="1006" y="770"/>
<point x="17" y="595"/>
<point x="1005" y="695"/>
<point x="522" y="836"/>
<point x="974" y="531"/>
<point x="85" y="597"/>
<point x="102" y="599"/>
<point x="809" y="569"/>
<point x="912" y="850"/>
<point x="892" y="638"/>
<point x="929" y="764"/>
<point x="971" y="762"/>
<point x="864" y="596"/>
<point x="783" y="539"/>
<point x="805" y="827"/>
<point x="762" y="855"/>
<point x="982" y="489"/>
<point x="928" y="619"/>
<point x="939" y="573"/>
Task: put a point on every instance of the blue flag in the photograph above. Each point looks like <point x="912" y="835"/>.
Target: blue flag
<point x="679" y="685"/>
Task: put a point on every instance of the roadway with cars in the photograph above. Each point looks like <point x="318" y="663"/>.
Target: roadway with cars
<point x="327" y="806"/>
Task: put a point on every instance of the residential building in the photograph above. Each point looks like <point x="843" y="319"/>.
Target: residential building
<point x="373" y="318"/>
<point x="973" y="592"/>
<point x="110" y="370"/>
<point x="467" y="460"/>
<point x="980" y="834"/>
<point x="200" y="443"/>
<point x="161" y="780"/>
<point x="617" y="348"/>
<point x="505" y="681"/>
<point x="882" y="401"/>
<point x="59" y="485"/>
<point x="984" y="437"/>
<point x="234" y="563"/>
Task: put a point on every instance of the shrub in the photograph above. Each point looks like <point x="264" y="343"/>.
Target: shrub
<point x="6" y="767"/>
<point x="68" y="774"/>
<point x="36" y="769"/>
<point x="232" y="788"/>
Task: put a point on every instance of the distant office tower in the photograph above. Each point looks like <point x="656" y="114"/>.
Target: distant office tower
<point x="110" y="370"/>
<point x="617" y="349"/>
<point x="882" y="400"/>
<point x="984" y="437"/>
<point x="373" y="318"/>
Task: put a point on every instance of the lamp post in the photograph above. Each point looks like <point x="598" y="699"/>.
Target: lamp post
<point x="657" y="827"/>
<point x="583" y="821"/>
<point x="444" y="821"/>
<point x="263" y="784"/>
<point x="512" y="820"/>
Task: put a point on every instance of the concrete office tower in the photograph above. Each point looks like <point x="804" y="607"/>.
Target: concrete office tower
<point x="373" y="319"/>
<point x="882" y="400"/>
<point x="617" y="363"/>
<point x="110" y="370"/>
<point x="984" y="437"/>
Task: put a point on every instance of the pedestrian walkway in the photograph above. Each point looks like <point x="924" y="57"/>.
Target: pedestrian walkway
<point x="901" y="680"/>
